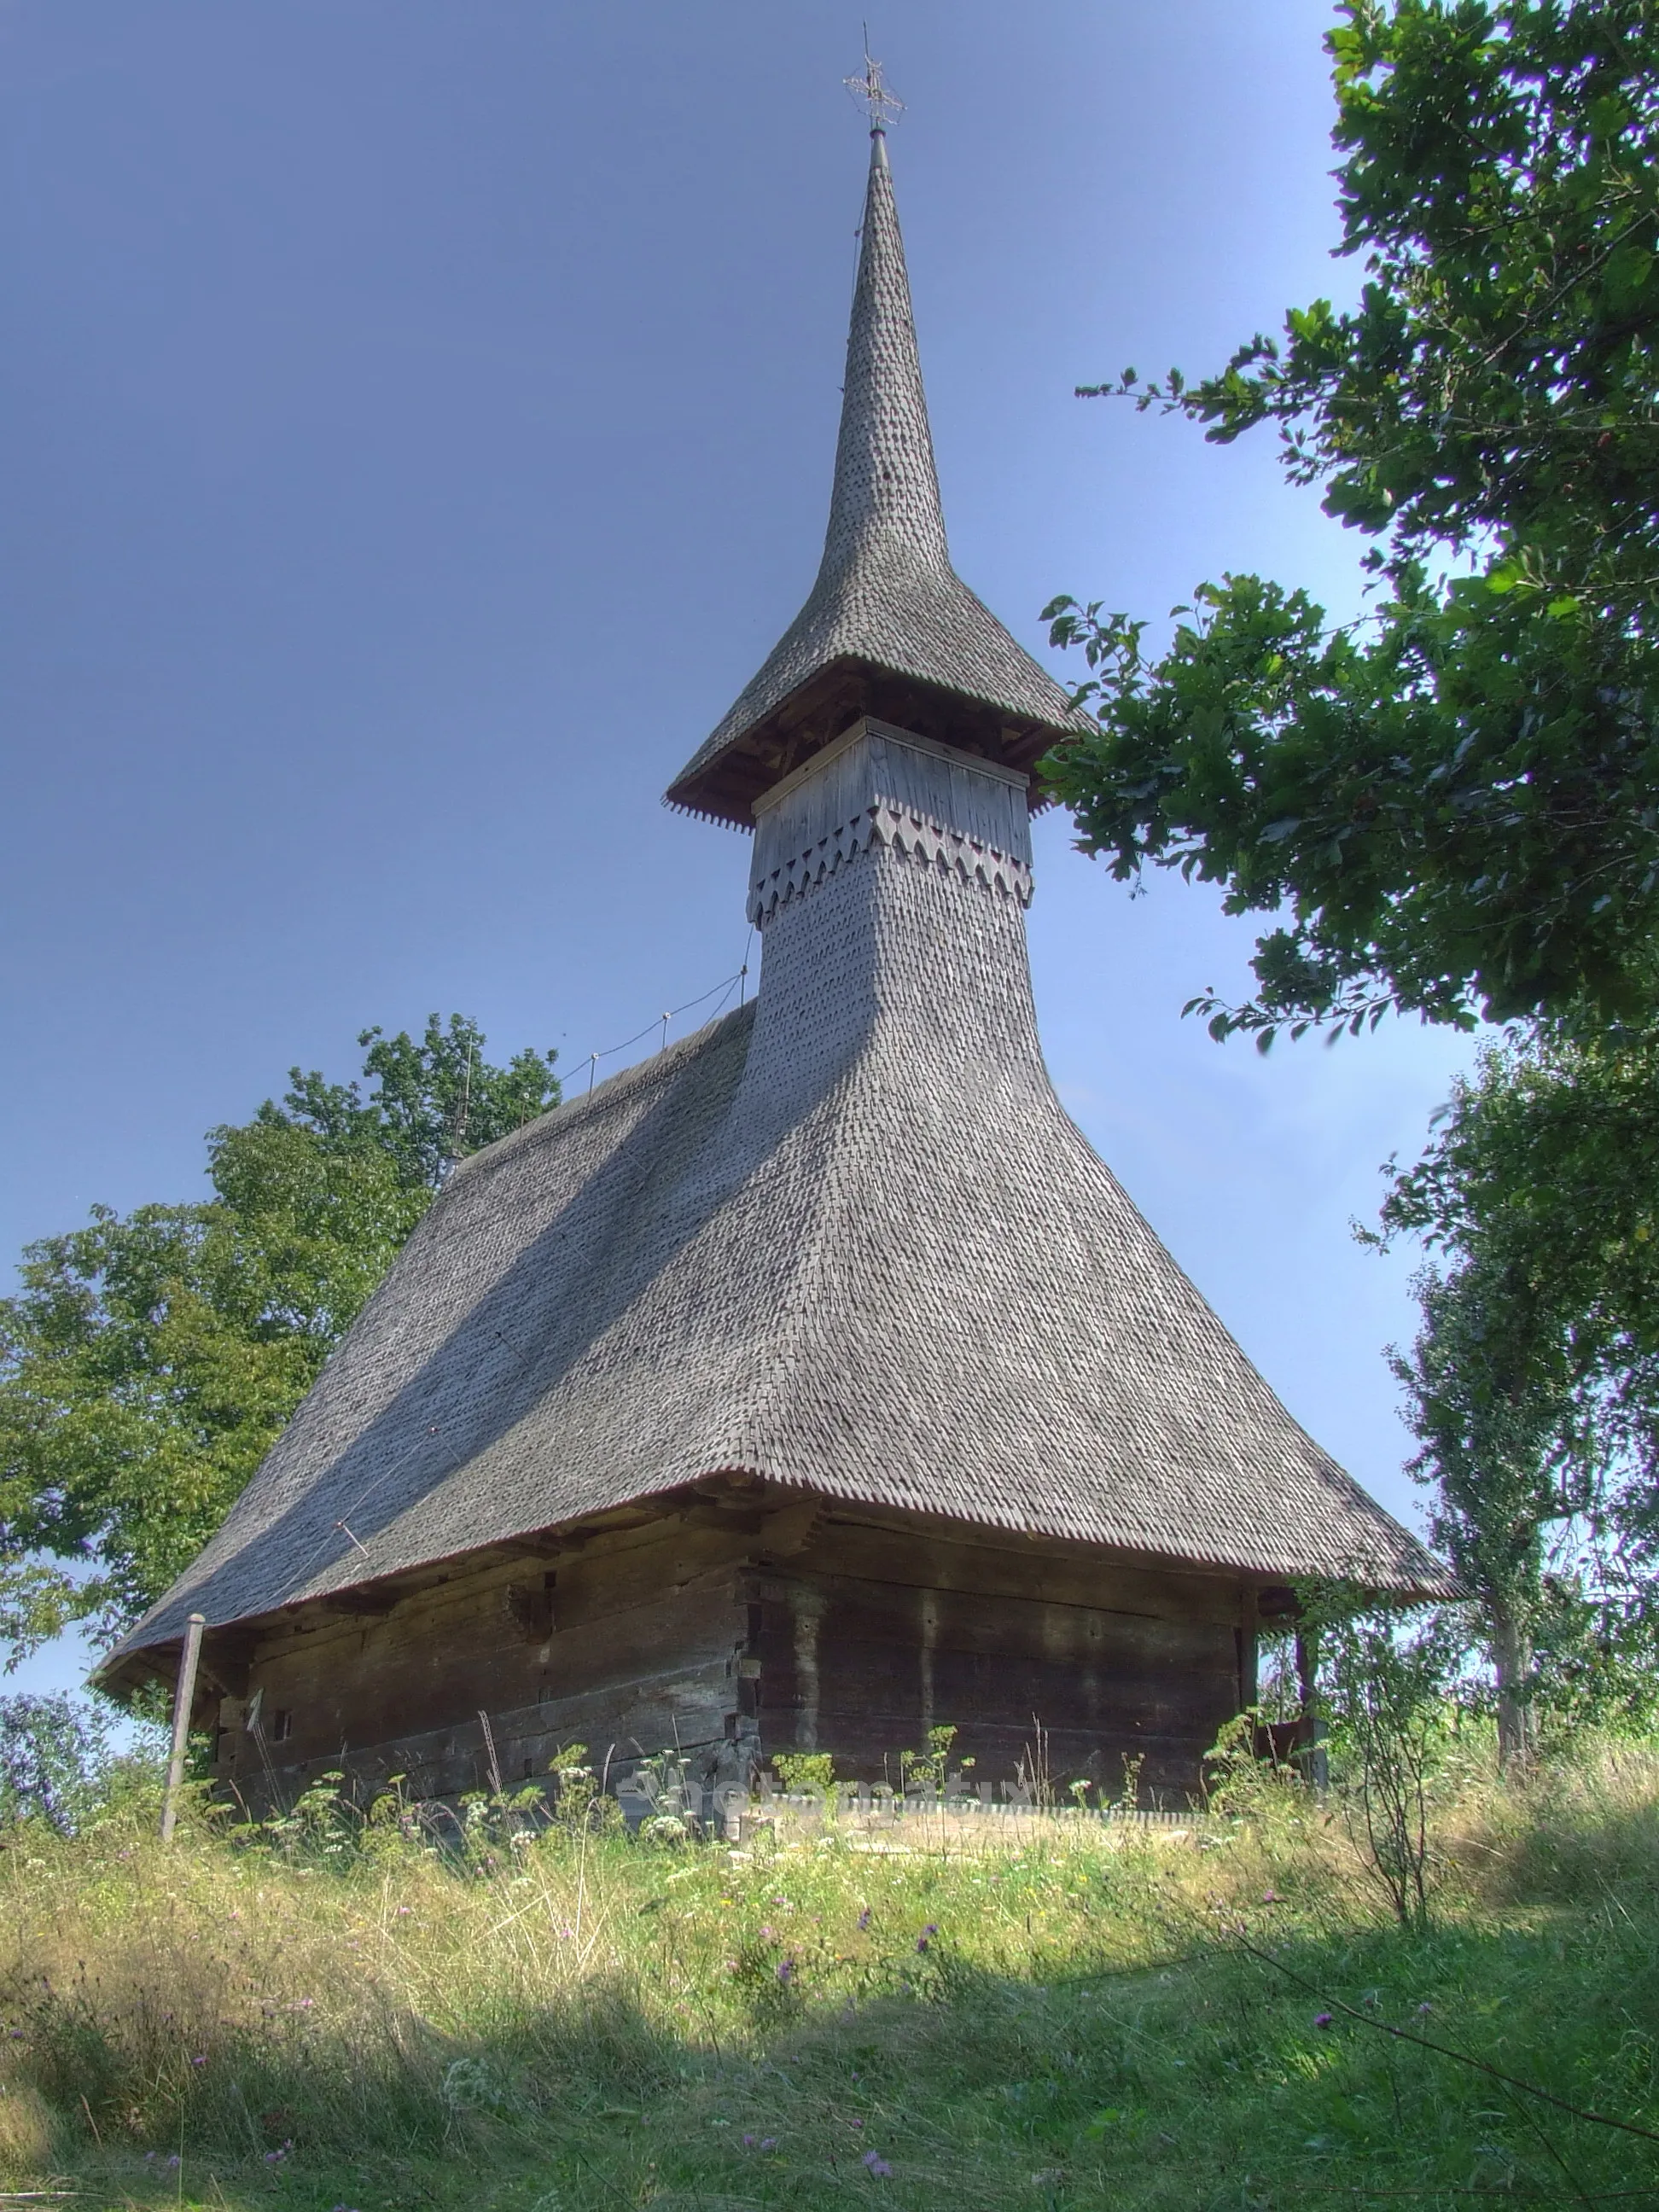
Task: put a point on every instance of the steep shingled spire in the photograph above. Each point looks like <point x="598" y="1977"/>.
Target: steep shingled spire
<point x="886" y="503"/>
<point x="889" y="628"/>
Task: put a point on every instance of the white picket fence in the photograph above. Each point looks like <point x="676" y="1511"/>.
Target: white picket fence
<point x="865" y="1805"/>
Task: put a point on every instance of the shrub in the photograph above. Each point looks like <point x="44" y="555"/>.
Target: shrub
<point x="55" y="1759"/>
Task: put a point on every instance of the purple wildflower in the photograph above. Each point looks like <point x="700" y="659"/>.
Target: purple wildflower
<point x="877" y="2165"/>
<point x="175" y="2160"/>
<point x="202" y="2061"/>
<point x="927" y="1934"/>
<point x="1272" y="1897"/>
<point x="864" y="1917"/>
<point x="786" y="1970"/>
<point x="1321" y="2020"/>
<point x="766" y="1935"/>
<point x="150" y="2158"/>
<point x="769" y="2143"/>
<point x="1426" y="2007"/>
<point x="858" y="2124"/>
<point x="749" y="2142"/>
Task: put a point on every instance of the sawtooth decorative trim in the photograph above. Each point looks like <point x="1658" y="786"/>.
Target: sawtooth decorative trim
<point x="906" y="836"/>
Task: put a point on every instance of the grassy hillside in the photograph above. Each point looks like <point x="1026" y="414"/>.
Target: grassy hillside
<point x="324" y="2019"/>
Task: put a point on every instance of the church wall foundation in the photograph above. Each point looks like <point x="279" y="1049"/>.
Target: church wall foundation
<point x="853" y="1635"/>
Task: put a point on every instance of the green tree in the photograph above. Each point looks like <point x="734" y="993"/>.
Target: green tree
<point x="55" y="1760"/>
<point x="1453" y="805"/>
<point x="1532" y="1386"/>
<point x="148" y="1361"/>
<point x="1494" y="1423"/>
<point x="1545" y="1166"/>
<point x="433" y="1101"/>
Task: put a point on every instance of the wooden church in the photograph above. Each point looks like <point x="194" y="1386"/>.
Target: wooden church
<point x="812" y="1383"/>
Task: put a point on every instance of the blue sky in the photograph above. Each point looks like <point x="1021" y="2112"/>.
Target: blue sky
<point x="417" y="422"/>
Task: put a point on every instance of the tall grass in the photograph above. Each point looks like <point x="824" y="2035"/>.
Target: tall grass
<point x="354" y="2016"/>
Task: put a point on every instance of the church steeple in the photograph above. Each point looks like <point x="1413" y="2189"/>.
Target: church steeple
<point x="886" y="501"/>
<point x="889" y="628"/>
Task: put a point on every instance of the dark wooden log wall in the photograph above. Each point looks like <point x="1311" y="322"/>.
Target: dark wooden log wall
<point x="730" y="1636"/>
<point x="631" y="1651"/>
<point x="1048" y="1662"/>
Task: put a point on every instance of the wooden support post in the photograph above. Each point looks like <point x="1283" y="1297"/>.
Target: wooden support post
<point x="1318" y="1765"/>
<point x="183" y="1698"/>
<point x="1249" y="1660"/>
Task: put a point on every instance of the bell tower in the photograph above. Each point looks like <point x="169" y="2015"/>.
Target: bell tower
<point x="889" y="629"/>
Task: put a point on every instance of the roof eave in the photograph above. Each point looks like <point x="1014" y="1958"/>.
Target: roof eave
<point x="227" y="1645"/>
<point x="816" y="712"/>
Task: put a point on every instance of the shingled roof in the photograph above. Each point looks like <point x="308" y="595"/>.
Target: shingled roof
<point x="838" y="1271"/>
<point x="889" y="628"/>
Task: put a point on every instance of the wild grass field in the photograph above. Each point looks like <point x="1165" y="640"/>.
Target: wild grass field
<point x="343" y="2016"/>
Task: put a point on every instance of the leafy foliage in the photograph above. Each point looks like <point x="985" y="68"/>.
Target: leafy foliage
<point x="54" y="1756"/>
<point x="810" y="1771"/>
<point x="1532" y="1386"/>
<point x="1455" y="799"/>
<point x="1545" y="1163"/>
<point x="150" y="1359"/>
<point x="433" y="1101"/>
<point x="1383" y="1685"/>
<point x="1495" y="1443"/>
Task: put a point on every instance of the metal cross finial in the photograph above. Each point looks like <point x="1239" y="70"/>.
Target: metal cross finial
<point x="870" y="93"/>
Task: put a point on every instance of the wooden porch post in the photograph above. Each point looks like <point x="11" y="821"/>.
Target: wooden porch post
<point x="1318" y="1768"/>
<point x="184" y="1697"/>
